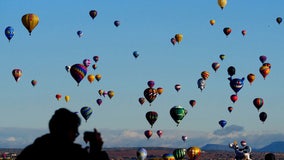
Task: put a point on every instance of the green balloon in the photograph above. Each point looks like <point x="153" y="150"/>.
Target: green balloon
<point x="178" y="113"/>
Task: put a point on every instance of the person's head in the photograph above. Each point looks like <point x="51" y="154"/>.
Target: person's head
<point x="270" y="156"/>
<point x="243" y="143"/>
<point x="64" y="124"/>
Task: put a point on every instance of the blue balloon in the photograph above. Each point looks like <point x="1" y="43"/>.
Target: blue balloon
<point x="9" y="32"/>
<point x="236" y="84"/>
<point x="80" y="33"/>
<point x="222" y="123"/>
<point x="86" y="112"/>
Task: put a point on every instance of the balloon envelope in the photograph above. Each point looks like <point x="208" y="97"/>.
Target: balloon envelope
<point x="193" y="152"/>
<point x="135" y="54"/>
<point x="141" y="154"/>
<point x="258" y="103"/>
<point x="78" y="72"/>
<point x="251" y="78"/>
<point x="222" y="123"/>
<point x="148" y="133"/>
<point x="236" y="84"/>
<point x="141" y="100"/>
<point x="179" y="153"/>
<point x="30" y="21"/>
<point x="93" y="13"/>
<point x="9" y="32"/>
<point x="222" y="3"/>
<point x="178" y="113"/>
<point x="110" y="94"/>
<point x="192" y="103"/>
<point x="168" y="156"/>
<point x="116" y="23"/>
<point x="264" y="70"/>
<point x="150" y="94"/>
<point x="86" y="112"/>
<point x="227" y="31"/>
<point x="178" y="37"/>
<point x="215" y="66"/>
<point x="222" y="56"/>
<point x="262" y="58"/>
<point x="17" y="73"/>
<point x="151" y="117"/>
<point x="278" y="20"/>
<point x="33" y="82"/>
<point x="262" y="116"/>
<point x="159" y="133"/>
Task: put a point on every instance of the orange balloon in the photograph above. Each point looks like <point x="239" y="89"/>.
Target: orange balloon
<point x="178" y="37"/>
<point x="205" y="75"/>
<point x="98" y="77"/>
<point x="91" y="78"/>
<point x="251" y="78"/>
<point x="264" y="71"/>
<point x="160" y="90"/>
<point x="212" y="22"/>
<point x="193" y="152"/>
<point x="30" y="21"/>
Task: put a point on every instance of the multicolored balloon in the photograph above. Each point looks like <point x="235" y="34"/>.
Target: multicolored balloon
<point x="87" y="62"/>
<point x="151" y="117"/>
<point x="264" y="71"/>
<point x="184" y="138"/>
<point x="222" y="57"/>
<point x="215" y="66"/>
<point x="110" y="94"/>
<point x="250" y="78"/>
<point x="80" y="34"/>
<point x="193" y="152"/>
<point x="141" y="100"/>
<point x="141" y="154"/>
<point x="30" y="21"/>
<point x="151" y="83"/>
<point x="236" y="84"/>
<point x="58" y="96"/>
<point x="173" y="41"/>
<point x="17" y="73"/>
<point x="201" y="83"/>
<point x="244" y="32"/>
<point x="96" y="59"/>
<point x="159" y="133"/>
<point x="178" y="37"/>
<point x="148" y="133"/>
<point x="160" y="90"/>
<point x="98" y="77"/>
<point x="178" y="113"/>
<point x="205" y="75"/>
<point x="179" y="153"/>
<point x="78" y="72"/>
<point x="230" y="109"/>
<point x="150" y="94"/>
<point x="93" y="13"/>
<point x="177" y="87"/>
<point x="258" y="103"/>
<point x="86" y="112"/>
<point x="227" y="31"/>
<point x="168" y="156"/>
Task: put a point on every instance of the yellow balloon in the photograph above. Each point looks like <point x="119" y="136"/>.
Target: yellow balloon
<point x="212" y="22"/>
<point x="222" y="3"/>
<point x="101" y="92"/>
<point x="178" y="37"/>
<point x="30" y="21"/>
<point x="110" y="94"/>
<point x="98" y="77"/>
<point x="67" y="98"/>
<point x="91" y="78"/>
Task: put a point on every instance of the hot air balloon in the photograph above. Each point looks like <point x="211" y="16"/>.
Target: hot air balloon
<point x="215" y="66"/>
<point x="178" y="113"/>
<point x="231" y="71"/>
<point x="230" y="109"/>
<point x="17" y="73"/>
<point x="78" y="72"/>
<point x="236" y="84"/>
<point x="58" y="96"/>
<point x="116" y="23"/>
<point x="193" y="152"/>
<point x="262" y="116"/>
<point x="205" y="75"/>
<point x="86" y="112"/>
<point x="184" y="138"/>
<point x="67" y="98"/>
<point x="278" y="20"/>
<point x="201" y="83"/>
<point x="222" y="3"/>
<point x="168" y="156"/>
<point x="244" y="32"/>
<point x="9" y="32"/>
<point x="110" y="94"/>
<point x="251" y="78"/>
<point x="93" y="13"/>
<point x="264" y="71"/>
<point x="80" y="34"/>
<point x="212" y="22"/>
<point x="160" y="90"/>
<point x="30" y="21"/>
<point x="91" y="78"/>
<point x="105" y="93"/>
<point x="173" y="41"/>
<point x="159" y="133"/>
<point x="141" y="154"/>
<point x="98" y="77"/>
<point x="222" y="57"/>
<point x="94" y="66"/>
<point x="178" y="37"/>
<point x="258" y="103"/>
<point x="227" y="31"/>
<point x="87" y="62"/>
<point x="177" y="87"/>
<point x="67" y="68"/>
<point x="151" y="83"/>
<point x="222" y="123"/>
<point x="99" y="101"/>
<point x="262" y="59"/>
<point x="141" y="100"/>
<point x="192" y="103"/>
<point x="234" y="98"/>
<point x="179" y="153"/>
<point x="267" y="64"/>
<point x="96" y="59"/>
<point x="150" y="94"/>
<point x="151" y="117"/>
<point x="135" y="54"/>
<point x="33" y="82"/>
<point x="148" y="133"/>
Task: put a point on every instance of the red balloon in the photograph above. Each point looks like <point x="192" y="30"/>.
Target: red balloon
<point x="192" y="103"/>
<point x="234" y="98"/>
<point x="159" y="133"/>
<point x="148" y="133"/>
<point x="227" y="31"/>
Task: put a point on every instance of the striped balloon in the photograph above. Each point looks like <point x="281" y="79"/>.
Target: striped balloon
<point x="78" y="72"/>
<point x="86" y="112"/>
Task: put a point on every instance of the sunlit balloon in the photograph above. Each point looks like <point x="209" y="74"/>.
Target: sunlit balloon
<point x="58" y="96"/>
<point x="178" y="37"/>
<point x="184" y="138"/>
<point x="178" y="113"/>
<point x="80" y="34"/>
<point x="33" y="82"/>
<point x="67" y="68"/>
<point x="17" y="73"/>
<point x="264" y="70"/>
<point x="222" y="3"/>
<point x="250" y="78"/>
<point x="98" y="77"/>
<point x="159" y="133"/>
<point x="67" y="98"/>
<point x="230" y="109"/>
<point x="179" y="153"/>
<point x="91" y="78"/>
<point x="99" y="101"/>
<point x="148" y="133"/>
<point x="94" y="66"/>
<point x="262" y="116"/>
<point x="110" y="94"/>
<point x="205" y="75"/>
<point x="212" y="22"/>
<point x="141" y="154"/>
<point x="150" y="94"/>
<point x="234" y="98"/>
<point x="96" y="59"/>
<point x="215" y="66"/>
<point x="177" y="87"/>
<point x="93" y="13"/>
<point x="168" y="156"/>
<point x="160" y="90"/>
<point x="244" y="32"/>
<point x="192" y="103"/>
<point x="278" y="20"/>
<point x="201" y="83"/>
<point x="193" y="152"/>
<point x="78" y="72"/>
<point x="151" y="117"/>
<point x="222" y="56"/>
<point x="236" y="84"/>
<point x="116" y="23"/>
<point x="173" y="41"/>
<point x="135" y="54"/>
<point x="86" y="112"/>
<point x="141" y="100"/>
<point x="222" y="123"/>
<point x="30" y="21"/>
<point x="100" y="91"/>
<point x="227" y="31"/>
<point x="258" y="103"/>
<point x="9" y="32"/>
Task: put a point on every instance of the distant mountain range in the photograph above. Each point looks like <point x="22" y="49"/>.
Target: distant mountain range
<point x="273" y="147"/>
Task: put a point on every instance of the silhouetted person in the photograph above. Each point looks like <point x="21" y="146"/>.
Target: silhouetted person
<point x="59" y="143"/>
<point x="270" y="156"/>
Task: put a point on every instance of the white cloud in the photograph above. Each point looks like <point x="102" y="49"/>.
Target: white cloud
<point x="11" y="139"/>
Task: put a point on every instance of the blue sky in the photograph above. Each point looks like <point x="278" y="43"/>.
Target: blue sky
<point x="146" y="27"/>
